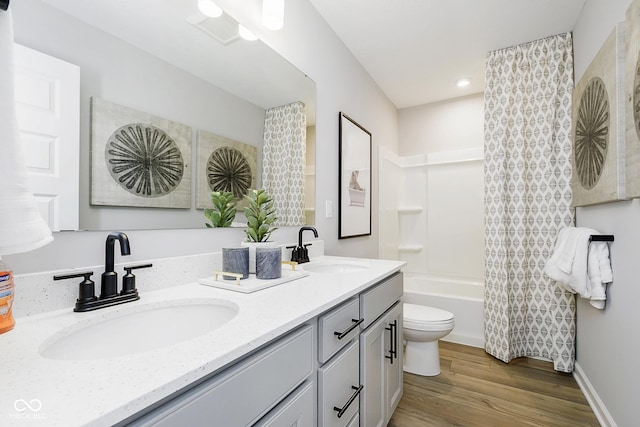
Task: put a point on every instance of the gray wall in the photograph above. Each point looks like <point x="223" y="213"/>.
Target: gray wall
<point x="608" y="341"/>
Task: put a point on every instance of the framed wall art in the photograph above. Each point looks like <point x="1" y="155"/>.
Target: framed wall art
<point x="632" y="105"/>
<point x="224" y="165"/>
<point x="354" y="217"/>
<point x="138" y="159"/>
<point x="598" y="126"/>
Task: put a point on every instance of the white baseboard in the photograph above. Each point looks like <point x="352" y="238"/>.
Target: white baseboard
<point x="464" y="339"/>
<point x="597" y="405"/>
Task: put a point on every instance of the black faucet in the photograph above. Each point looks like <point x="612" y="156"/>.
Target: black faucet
<point x="109" y="295"/>
<point x="300" y="253"/>
<point x="109" y="285"/>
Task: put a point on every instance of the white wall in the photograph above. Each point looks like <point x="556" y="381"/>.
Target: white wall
<point x="608" y="341"/>
<point x="341" y="84"/>
<point x="455" y="124"/>
<point x="450" y="190"/>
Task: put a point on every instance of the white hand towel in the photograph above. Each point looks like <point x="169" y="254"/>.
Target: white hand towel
<point x="21" y="226"/>
<point x="571" y="249"/>
<point x="600" y="273"/>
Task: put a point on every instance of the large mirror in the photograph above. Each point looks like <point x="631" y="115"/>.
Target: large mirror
<point x="167" y="60"/>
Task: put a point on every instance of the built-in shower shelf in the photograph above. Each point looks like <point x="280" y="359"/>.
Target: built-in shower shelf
<point x="410" y="248"/>
<point x="409" y="209"/>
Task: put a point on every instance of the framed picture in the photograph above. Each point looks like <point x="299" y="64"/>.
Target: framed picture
<point x="138" y="159"/>
<point x="354" y="217"/>
<point x="598" y="131"/>
<point x="224" y="165"/>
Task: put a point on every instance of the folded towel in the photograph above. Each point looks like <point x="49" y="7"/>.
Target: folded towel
<point x="581" y="266"/>
<point x="599" y="272"/>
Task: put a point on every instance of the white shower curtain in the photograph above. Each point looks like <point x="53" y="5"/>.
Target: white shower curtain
<point x="528" y="199"/>
<point x="284" y="158"/>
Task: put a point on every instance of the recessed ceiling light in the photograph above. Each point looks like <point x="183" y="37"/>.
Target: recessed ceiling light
<point x="209" y="8"/>
<point x="464" y="82"/>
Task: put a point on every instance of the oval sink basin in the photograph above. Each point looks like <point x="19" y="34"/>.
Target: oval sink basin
<point x="138" y="329"/>
<point x="334" y="268"/>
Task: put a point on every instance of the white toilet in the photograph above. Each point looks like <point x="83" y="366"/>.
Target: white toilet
<point x="422" y="328"/>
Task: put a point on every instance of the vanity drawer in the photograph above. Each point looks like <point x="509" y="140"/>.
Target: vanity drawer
<point x="337" y="328"/>
<point x="244" y="393"/>
<point x="339" y="387"/>
<point x="295" y="411"/>
<point x="377" y="300"/>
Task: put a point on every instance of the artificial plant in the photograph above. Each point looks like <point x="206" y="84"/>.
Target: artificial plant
<point x="260" y="214"/>
<point x="224" y="209"/>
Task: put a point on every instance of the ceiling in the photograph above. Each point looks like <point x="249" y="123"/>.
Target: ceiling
<point x="415" y="50"/>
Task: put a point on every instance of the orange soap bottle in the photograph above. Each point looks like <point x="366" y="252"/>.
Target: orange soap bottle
<point x="6" y="298"/>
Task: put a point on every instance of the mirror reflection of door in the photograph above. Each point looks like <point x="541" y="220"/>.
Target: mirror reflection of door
<point x="47" y="93"/>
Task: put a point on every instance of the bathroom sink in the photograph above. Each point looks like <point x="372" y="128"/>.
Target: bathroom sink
<point x="326" y="267"/>
<point x="137" y="329"/>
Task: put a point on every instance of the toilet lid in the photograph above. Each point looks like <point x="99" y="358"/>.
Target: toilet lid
<point x="421" y="314"/>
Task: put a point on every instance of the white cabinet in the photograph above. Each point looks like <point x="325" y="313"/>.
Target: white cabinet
<point x="339" y="388"/>
<point x="381" y="352"/>
<point x="244" y="393"/>
<point x="297" y="410"/>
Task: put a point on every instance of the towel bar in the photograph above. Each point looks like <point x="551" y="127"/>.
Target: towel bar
<point x="4" y="4"/>
<point x="601" y="238"/>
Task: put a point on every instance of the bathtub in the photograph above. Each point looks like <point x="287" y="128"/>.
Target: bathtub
<point x="463" y="298"/>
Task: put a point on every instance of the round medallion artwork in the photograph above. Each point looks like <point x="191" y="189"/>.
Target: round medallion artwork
<point x="229" y="170"/>
<point x="636" y="98"/>
<point x="144" y="160"/>
<point x="592" y="133"/>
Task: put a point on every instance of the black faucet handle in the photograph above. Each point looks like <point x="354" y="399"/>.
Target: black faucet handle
<point x="86" y="288"/>
<point x="129" y="279"/>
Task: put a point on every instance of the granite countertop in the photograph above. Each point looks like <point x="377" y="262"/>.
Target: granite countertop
<point x="40" y="391"/>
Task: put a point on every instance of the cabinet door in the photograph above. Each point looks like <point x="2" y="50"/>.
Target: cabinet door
<point x="339" y="387"/>
<point x="393" y="367"/>
<point x="372" y="375"/>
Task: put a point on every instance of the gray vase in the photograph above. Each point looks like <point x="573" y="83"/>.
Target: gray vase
<point x="235" y="260"/>
<point x="268" y="263"/>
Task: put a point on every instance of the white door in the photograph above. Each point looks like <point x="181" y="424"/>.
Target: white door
<point x="48" y="109"/>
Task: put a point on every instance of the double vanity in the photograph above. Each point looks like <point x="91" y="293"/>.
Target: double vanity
<point x="324" y="350"/>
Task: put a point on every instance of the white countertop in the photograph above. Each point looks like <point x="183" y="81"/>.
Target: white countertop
<point x="105" y="391"/>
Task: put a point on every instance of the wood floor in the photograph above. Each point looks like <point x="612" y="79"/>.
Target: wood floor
<point x="475" y="389"/>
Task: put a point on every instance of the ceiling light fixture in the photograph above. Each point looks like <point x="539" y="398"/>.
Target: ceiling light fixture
<point x="209" y="8"/>
<point x="464" y="82"/>
<point x="246" y="34"/>
<point x="273" y="14"/>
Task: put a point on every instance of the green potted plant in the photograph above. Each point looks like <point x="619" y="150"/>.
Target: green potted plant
<point x="224" y="209"/>
<point x="261" y="214"/>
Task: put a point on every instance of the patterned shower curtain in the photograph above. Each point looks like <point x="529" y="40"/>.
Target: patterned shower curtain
<point x="284" y="158"/>
<point x="528" y="199"/>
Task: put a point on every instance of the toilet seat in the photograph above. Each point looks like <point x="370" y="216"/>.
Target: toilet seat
<point x="423" y="318"/>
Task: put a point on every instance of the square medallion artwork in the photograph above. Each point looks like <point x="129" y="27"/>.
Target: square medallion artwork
<point x="632" y="104"/>
<point x="138" y="159"/>
<point x="598" y="126"/>
<point x="224" y="165"/>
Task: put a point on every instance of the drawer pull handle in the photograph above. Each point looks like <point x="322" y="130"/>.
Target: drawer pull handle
<point x="355" y="324"/>
<point x="342" y="410"/>
<point x="393" y="341"/>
